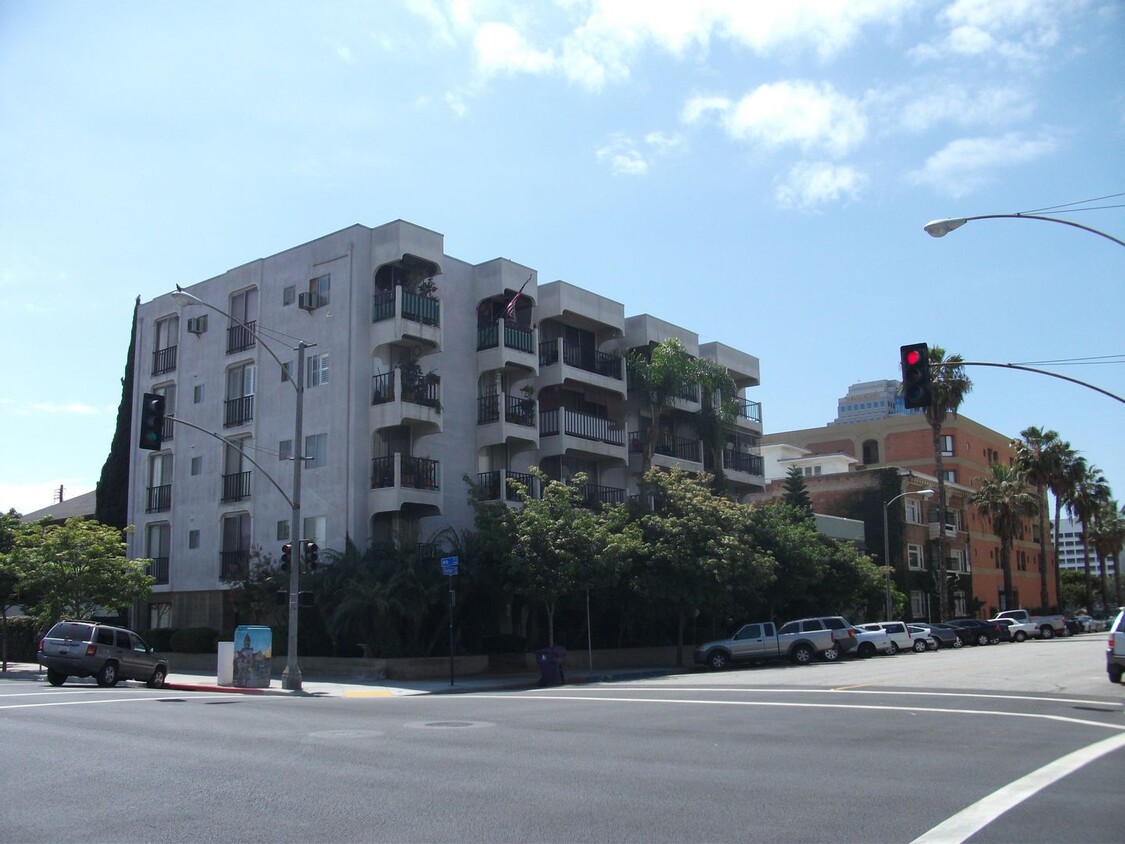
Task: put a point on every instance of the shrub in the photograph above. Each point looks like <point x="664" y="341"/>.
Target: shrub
<point x="503" y="643"/>
<point x="23" y="639"/>
<point x="195" y="640"/>
<point x="159" y="638"/>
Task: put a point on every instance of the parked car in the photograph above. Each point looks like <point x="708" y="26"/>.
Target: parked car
<point x="109" y="654"/>
<point x="1074" y="625"/>
<point x="946" y="636"/>
<point x="984" y="632"/>
<point x="758" y="641"/>
<point x="1048" y="626"/>
<point x="927" y="638"/>
<point x="1115" y="648"/>
<point x="843" y="631"/>
<point x="873" y="639"/>
<point x="1019" y="630"/>
<point x="902" y="638"/>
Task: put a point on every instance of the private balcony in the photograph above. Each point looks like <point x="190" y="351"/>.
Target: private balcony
<point x="495" y="485"/>
<point x="504" y="344"/>
<point x="391" y="405"/>
<point x="562" y="431"/>
<point x="158" y="571"/>
<point x="741" y="463"/>
<point x="503" y="417"/>
<point x="595" y="496"/>
<point x="238" y="411"/>
<point x="158" y="499"/>
<point x="671" y="451"/>
<point x="164" y="360"/>
<point x="234" y="565"/>
<point x="240" y="337"/>
<point x="398" y="479"/>
<point x="236" y="487"/>
<point x="560" y="362"/>
<point x="749" y="413"/>
<point x="399" y="316"/>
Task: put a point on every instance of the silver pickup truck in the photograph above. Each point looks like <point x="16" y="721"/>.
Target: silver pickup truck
<point x="760" y="641"/>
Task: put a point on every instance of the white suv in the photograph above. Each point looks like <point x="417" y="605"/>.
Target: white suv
<point x="1115" y="652"/>
<point x="902" y="636"/>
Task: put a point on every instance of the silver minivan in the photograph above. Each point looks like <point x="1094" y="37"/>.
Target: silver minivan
<point x="108" y="654"/>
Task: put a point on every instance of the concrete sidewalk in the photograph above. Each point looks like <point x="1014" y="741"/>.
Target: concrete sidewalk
<point x="363" y="688"/>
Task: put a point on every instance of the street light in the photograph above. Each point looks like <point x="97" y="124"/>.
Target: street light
<point x="940" y="228"/>
<point x="925" y="493"/>
<point x="291" y="676"/>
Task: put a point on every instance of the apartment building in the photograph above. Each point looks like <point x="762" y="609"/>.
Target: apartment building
<point x="1071" y="552"/>
<point x="419" y="370"/>
<point x="904" y="442"/>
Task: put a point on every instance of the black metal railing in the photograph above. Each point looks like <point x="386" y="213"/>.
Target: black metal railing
<point x="164" y="360"/>
<point x="234" y="565"/>
<point x="236" y="486"/>
<point x="426" y="392"/>
<point x="740" y="461"/>
<point x="519" y="411"/>
<point x="159" y="498"/>
<point x="383" y="388"/>
<point x="495" y="484"/>
<point x="240" y="337"/>
<point x="158" y="570"/>
<point x="167" y="429"/>
<point x="596" y="496"/>
<point x="575" y="424"/>
<point x="609" y="364"/>
<point x="238" y="411"/>
<point x="682" y="448"/>
<point x="383" y="472"/>
<point x="751" y="410"/>
<point x="419" y="473"/>
<point x="488" y="409"/>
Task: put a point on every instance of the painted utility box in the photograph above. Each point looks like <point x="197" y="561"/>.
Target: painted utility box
<point x="253" y="650"/>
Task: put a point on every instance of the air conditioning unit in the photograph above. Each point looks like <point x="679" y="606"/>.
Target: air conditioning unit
<point x="197" y="325"/>
<point x="310" y="301"/>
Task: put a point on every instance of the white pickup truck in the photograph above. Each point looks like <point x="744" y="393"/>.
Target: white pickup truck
<point x="1048" y="626"/>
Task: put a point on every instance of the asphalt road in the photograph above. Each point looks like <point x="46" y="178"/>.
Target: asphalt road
<point x="1004" y="743"/>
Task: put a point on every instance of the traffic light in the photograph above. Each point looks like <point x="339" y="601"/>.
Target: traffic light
<point x="152" y="421"/>
<point x="916" y="389"/>
<point x="312" y="554"/>
<point x="286" y="556"/>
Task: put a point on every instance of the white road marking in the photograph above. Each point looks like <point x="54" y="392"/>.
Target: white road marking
<point x="967" y="822"/>
<point x="87" y="702"/>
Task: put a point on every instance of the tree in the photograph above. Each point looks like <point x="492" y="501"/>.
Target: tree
<point x="78" y="568"/>
<point x="1107" y="535"/>
<point x="1063" y="467"/>
<point x="659" y="375"/>
<point x="1003" y="498"/>
<point x="949" y="386"/>
<point x="1088" y="495"/>
<point x="796" y="493"/>
<point x="10" y="528"/>
<point x="111" y="495"/>
<point x="1037" y="458"/>
<point x="717" y="412"/>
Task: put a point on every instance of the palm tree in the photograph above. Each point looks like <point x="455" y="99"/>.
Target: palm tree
<point x="1089" y="494"/>
<point x="1035" y="457"/>
<point x="1060" y="480"/>
<point x="1108" y="535"/>
<point x="1004" y="499"/>
<point x="949" y="386"/>
<point x="660" y="374"/>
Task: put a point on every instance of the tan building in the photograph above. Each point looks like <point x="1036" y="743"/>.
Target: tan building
<point x="904" y="443"/>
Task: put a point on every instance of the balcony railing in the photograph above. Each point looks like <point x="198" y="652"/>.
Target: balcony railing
<point x="495" y="486"/>
<point x="596" y="496"/>
<point x="520" y="339"/>
<point x="682" y="448"/>
<point x="751" y="410"/>
<point x="383" y="388"/>
<point x="416" y="308"/>
<point x="383" y="472"/>
<point x="740" y="461"/>
<point x="234" y="565"/>
<point x="167" y="429"/>
<point x="240" y="337"/>
<point x="159" y="499"/>
<point x="164" y="360"/>
<point x="417" y="472"/>
<point x="575" y="424"/>
<point x="517" y="411"/>
<point x="236" y="486"/>
<point x="580" y="357"/>
<point x="238" y="411"/>
<point x="158" y="570"/>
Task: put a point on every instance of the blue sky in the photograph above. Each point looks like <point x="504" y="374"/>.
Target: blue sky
<point x="757" y="172"/>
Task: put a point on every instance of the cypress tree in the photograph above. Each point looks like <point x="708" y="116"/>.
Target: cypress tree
<point x="795" y="491"/>
<point x="111" y="505"/>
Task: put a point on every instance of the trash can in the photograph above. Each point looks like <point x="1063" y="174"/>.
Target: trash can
<point x="550" y="661"/>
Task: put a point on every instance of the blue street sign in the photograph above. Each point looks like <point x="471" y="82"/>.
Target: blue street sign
<point x="449" y="565"/>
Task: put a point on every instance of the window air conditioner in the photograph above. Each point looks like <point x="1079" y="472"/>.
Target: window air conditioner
<point x="197" y="325"/>
<point x="309" y="301"/>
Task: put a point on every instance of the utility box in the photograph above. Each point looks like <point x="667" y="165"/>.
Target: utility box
<point x="224" y="673"/>
<point x="252" y="656"/>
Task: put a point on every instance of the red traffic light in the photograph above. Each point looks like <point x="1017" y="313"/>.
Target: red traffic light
<point x="913" y="356"/>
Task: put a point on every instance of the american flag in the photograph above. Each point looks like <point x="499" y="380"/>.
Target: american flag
<point x="510" y="311"/>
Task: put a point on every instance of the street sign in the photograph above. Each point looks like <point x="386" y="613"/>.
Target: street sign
<point x="449" y="565"/>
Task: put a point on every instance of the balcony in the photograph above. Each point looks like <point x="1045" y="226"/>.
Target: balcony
<point x="495" y="486"/>
<point x="740" y="461"/>
<point x="749" y="411"/>
<point x="560" y="361"/>
<point x="399" y="315"/>
<point x="236" y="487"/>
<point x="505" y="344"/>
<point x="240" y="337"/>
<point x="398" y="479"/>
<point x="599" y="496"/>
<point x="234" y="565"/>
<point x="677" y="449"/>
<point x="164" y="360"/>
<point x="238" y="411"/>
<point x="158" y="571"/>
<point x="159" y="499"/>
<point x="391" y="405"/>
<point x="167" y="429"/>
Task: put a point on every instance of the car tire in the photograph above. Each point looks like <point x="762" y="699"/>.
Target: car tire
<point x="994" y="640"/>
<point x="802" y="654"/>
<point x="958" y="643"/>
<point x="55" y="678"/>
<point x="866" y="650"/>
<point x="1019" y="637"/>
<point x="1115" y="674"/>
<point x="919" y="646"/>
<point x="1047" y="632"/>
<point x="156" y="681"/>
<point x="982" y="639"/>
<point x="717" y="660"/>
<point x="893" y="650"/>
<point x="107" y="674"/>
<point x="832" y="654"/>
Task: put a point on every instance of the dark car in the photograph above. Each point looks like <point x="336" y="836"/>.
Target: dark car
<point x="946" y="636"/>
<point x="1074" y="626"/>
<point x="109" y="654"/>
<point x="984" y="632"/>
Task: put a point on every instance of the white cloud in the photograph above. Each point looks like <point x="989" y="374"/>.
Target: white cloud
<point x="801" y="113"/>
<point x="501" y="49"/>
<point x="956" y="104"/>
<point x="699" y="108"/>
<point x="809" y="184"/>
<point x="1017" y="31"/>
<point x="629" y="157"/>
<point x="967" y="164"/>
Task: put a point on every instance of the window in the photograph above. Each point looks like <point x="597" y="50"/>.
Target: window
<point x="870" y="452"/>
<point x="283" y="530"/>
<point x="810" y="625"/>
<point x="160" y="615"/>
<point x="947" y="445"/>
<point x="244" y="310"/>
<point x="159" y="492"/>
<point x="285" y="450"/>
<point x="960" y="605"/>
<point x="918" y="604"/>
<point x="193" y="539"/>
<point x="235" y="554"/>
<point x="289" y="295"/>
<point x="197" y="465"/>
<point x="317" y="370"/>
<point x="241" y="382"/>
<point x="316" y="451"/>
<point x="315" y="528"/>
<point x="957" y="561"/>
<point x="158" y="542"/>
<point x="286" y="371"/>
<point x="913" y="511"/>
<point x="236" y="471"/>
<point x="750" y="631"/>
<point x="197" y="394"/>
<point x="164" y="349"/>
<point x="169" y="393"/>
<point x="321" y="285"/>
<point x="916" y="557"/>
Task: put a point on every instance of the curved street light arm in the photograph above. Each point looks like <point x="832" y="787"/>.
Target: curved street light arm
<point x="1037" y="372"/>
<point x="940" y="228"/>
